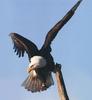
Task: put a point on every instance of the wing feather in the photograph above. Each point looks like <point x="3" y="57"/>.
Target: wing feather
<point x="22" y="45"/>
<point x="53" y="32"/>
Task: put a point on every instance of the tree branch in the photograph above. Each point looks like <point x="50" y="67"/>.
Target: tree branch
<point x="60" y="82"/>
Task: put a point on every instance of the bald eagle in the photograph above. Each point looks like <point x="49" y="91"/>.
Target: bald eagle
<point x="41" y="62"/>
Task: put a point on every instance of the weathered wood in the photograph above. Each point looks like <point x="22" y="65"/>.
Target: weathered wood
<point x="60" y="83"/>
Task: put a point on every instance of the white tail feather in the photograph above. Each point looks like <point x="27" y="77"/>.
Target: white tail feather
<point x="36" y="84"/>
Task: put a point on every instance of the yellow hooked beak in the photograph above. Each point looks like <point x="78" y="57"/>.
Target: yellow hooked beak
<point x="29" y="69"/>
<point x="32" y="67"/>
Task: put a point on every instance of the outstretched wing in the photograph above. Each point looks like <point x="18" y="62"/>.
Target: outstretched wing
<point x="22" y="45"/>
<point x="53" y="32"/>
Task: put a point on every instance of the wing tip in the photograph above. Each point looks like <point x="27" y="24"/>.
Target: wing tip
<point x="12" y="34"/>
<point x="76" y="5"/>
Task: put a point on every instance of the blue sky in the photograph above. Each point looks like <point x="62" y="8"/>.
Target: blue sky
<point x="72" y="47"/>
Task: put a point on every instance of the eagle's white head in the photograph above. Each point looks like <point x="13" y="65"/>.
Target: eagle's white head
<point x="36" y="62"/>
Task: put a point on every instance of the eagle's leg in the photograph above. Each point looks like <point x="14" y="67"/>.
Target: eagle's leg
<point x="57" y="67"/>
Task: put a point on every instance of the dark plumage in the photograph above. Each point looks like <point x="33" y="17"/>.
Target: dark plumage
<point x="41" y="61"/>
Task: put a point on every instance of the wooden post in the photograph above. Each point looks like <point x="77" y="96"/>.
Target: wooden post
<point x="60" y="82"/>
